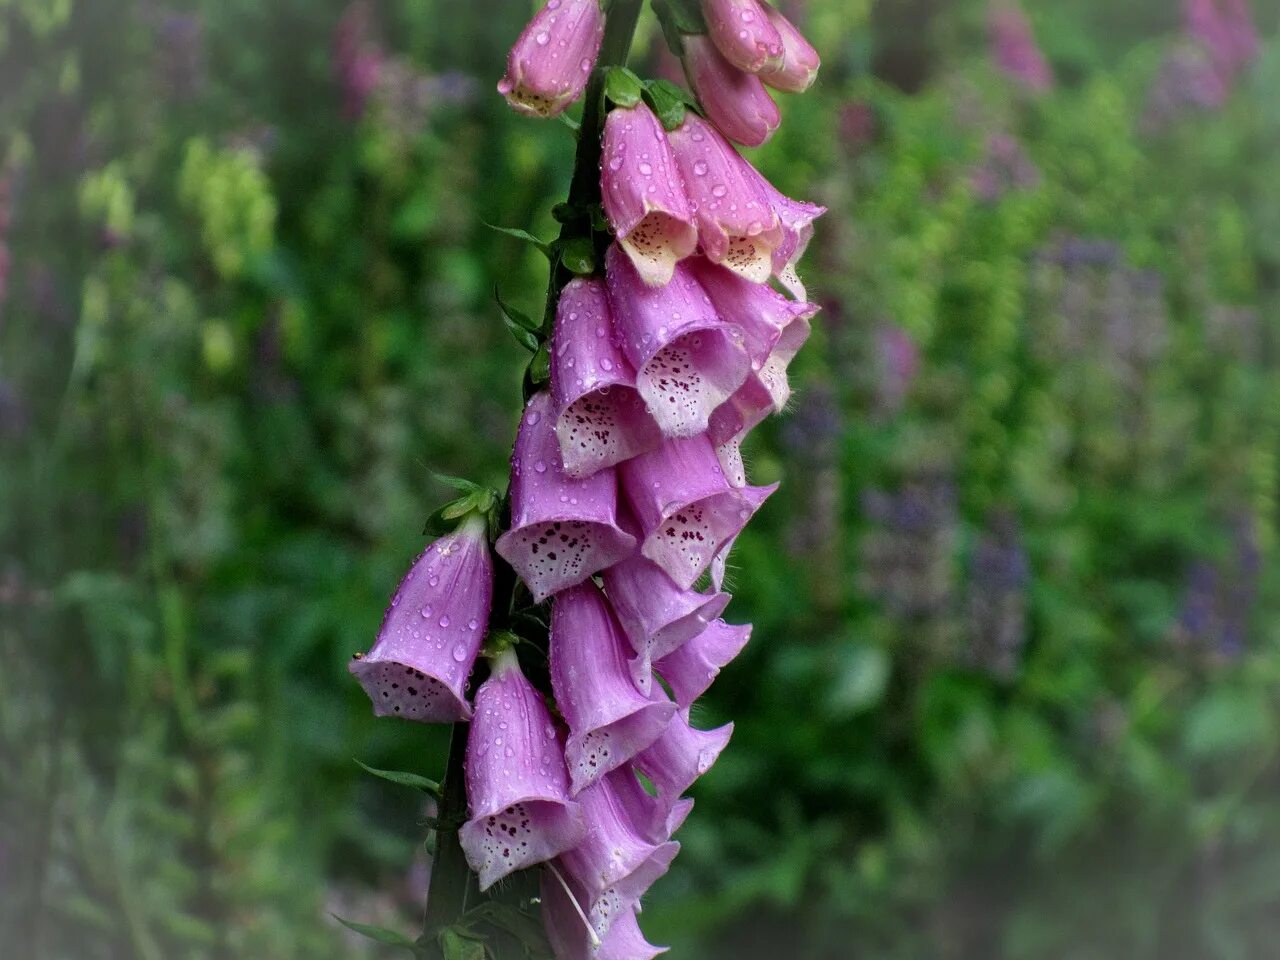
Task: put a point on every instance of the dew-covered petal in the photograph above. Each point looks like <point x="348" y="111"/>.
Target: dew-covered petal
<point x="601" y="419"/>
<point x="643" y="194"/>
<point x="432" y="631"/>
<point x="680" y="756"/>
<point x="691" y="668"/>
<point x="551" y="62"/>
<point x="656" y="614"/>
<point x="688" y="360"/>
<point x="737" y="226"/>
<point x="609" y="719"/>
<point x="798" y="66"/>
<point x="735" y="101"/>
<point x="517" y="784"/>
<point x="685" y="506"/>
<point x="743" y="34"/>
<point x="562" y="529"/>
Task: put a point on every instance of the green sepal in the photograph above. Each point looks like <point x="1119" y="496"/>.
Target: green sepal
<point x="578" y="255"/>
<point x="526" y="331"/>
<point x="461" y="484"/>
<point x="623" y="87"/>
<point x="403" y="778"/>
<point x="539" y="370"/>
<point x="525" y="235"/>
<point x="480" y="500"/>
<point x="669" y="101"/>
<point x="380" y="934"/>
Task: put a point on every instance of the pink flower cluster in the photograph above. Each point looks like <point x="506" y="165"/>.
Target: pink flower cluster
<point x="1225" y="31"/>
<point x="627" y="492"/>
<point x="1014" y="48"/>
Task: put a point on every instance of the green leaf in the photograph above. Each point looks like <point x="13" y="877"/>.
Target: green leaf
<point x="380" y="934"/>
<point x="524" y="235"/>
<point x="668" y="102"/>
<point x="524" y="927"/>
<point x="623" y="87"/>
<point x="579" y="256"/>
<point x="455" y="944"/>
<point x="521" y="325"/>
<point x="403" y="778"/>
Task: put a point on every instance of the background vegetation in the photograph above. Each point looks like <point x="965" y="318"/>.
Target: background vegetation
<point x="1015" y="679"/>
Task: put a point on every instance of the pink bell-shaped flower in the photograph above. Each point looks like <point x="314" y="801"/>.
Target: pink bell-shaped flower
<point x="743" y="34"/>
<point x="615" y="864"/>
<point x="600" y="418"/>
<point x="562" y="530"/>
<point x="691" y="668"/>
<point x="680" y="756"/>
<point x="686" y="507"/>
<point x="735" y="101"/>
<point x="432" y="631"/>
<point x="799" y="64"/>
<point x="609" y="719"/>
<point x="517" y="786"/>
<point x="737" y="225"/>
<point x="689" y="360"/>
<point x="643" y="194"/>
<point x="775" y="329"/>
<point x="657" y="615"/>
<point x="570" y="934"/>
<point x="550" y="64"/>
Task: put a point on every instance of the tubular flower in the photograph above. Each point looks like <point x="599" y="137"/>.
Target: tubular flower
<point x="680" y="756"/>
<point x="689" y="360"/>
<point x="800" y="62"/>
<point x="517" y="785"/>
<point x="796" y="219"/>
<point x="432" y="631"/>
<point x="775" y="329"/>
<point x="570" y="933"/>
<point x="743" y="34"/>
<point x="657" y="615"/>
<point x="653" y="819"/>
<point x="737" y="225"/>
<point x="686" y="507"/>
<point x="614" y="865"/>
<point x="643" y="194"/>
<point x="550" y="64"/>
<point x="690" y="669"/>
<point x="736" y="101"/>
<point x="610" y="720"/>
<point x="562" y="530"/>
<point x="600" y="418"/>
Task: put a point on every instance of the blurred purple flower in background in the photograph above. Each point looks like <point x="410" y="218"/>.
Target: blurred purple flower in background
<point x="1199" y="72"/>
<point x="897" y="363"/>
<point x="1014" y="49"/>
<point x="999" y="572"/>
<point x="1220" y="596"/>
<point x="357" y="58"/>
<point x="907" y="554"/>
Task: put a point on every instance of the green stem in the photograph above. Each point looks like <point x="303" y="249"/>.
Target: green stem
<point x="451" y="879"/>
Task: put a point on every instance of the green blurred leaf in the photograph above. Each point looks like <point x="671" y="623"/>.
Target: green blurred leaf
<point x="524" y="235"/>
<point x="380" y="934"/>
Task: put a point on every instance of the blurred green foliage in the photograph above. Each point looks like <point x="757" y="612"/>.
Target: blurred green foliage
<point x="1015" y="678"/>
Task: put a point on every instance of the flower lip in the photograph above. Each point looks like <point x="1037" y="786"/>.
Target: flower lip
<point x="601" y="419"/>
<point x="563" y="530"/>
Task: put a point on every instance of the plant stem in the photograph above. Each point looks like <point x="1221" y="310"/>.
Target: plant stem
<point x="451" y="879"/>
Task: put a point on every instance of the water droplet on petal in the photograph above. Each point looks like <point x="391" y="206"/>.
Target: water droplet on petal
<point x="540" y="466"/>
<point x="444" y="621"/>
<point x="460" y="652"/>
